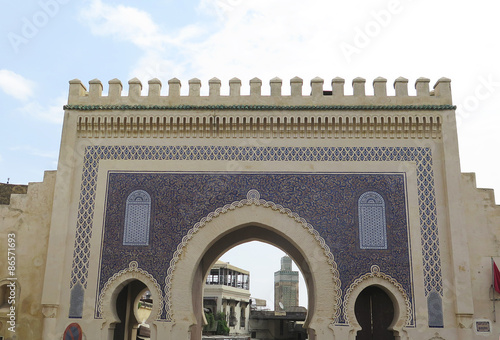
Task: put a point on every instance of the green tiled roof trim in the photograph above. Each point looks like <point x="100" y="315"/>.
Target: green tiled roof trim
<point x="263" y="107"/>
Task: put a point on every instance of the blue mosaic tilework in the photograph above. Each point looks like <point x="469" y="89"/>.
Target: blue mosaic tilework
<point x="327" y="201"/>
<point x="422" y="156"/>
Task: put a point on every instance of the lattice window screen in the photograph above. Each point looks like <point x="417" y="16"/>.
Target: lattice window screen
<point x="137" y="218"/>
<point x="372" y="223"/>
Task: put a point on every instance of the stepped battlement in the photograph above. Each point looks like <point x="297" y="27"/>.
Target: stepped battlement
<point x="320" y="95"/>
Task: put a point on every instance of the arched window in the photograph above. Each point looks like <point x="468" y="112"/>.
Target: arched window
<point x="372" y="225"/>
<point x="137" y="217"/>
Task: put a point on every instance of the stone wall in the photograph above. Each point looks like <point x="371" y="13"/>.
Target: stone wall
<point x="483" y="234"/>
<point x="28" y="218"/>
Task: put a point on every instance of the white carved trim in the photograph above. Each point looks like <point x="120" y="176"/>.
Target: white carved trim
<point x="120" y="279"/>
<point x="402" y="305"/>
<point x="253" y="198"/>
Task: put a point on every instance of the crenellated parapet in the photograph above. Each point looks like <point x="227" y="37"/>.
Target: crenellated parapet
<point x="319" y="94"/>
<point x="324" y="113"/>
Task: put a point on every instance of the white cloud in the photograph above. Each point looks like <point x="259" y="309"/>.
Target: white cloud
<point x="137" y="27"/>
<point x="243" y="37"/>
<point x="133" y="25"/>
<point x="264" y="38"/>
<point x="16" y="85"/>
<point x="154" y="65"/>
<point x="51" y="113"/>
<point x="122" y="22"/>
<point x="246" y="39"/>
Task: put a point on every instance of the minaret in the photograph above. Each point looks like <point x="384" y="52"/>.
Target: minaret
<point x="286" y="286"/>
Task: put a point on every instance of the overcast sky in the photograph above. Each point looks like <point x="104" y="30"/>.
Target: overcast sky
<point x="46" y="43"/>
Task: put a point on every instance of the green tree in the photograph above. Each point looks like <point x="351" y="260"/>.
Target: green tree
<point x="222" y="328"/>
<point x="210" y="322"/>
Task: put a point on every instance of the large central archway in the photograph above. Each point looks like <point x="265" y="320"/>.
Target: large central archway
<point x="252" y="220"/>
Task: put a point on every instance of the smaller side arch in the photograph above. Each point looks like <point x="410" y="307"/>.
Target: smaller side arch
<point x="109" y="293"/>
<point x="402" y="305"/>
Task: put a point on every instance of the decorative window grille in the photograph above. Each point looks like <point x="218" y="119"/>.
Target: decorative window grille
<point x="372" y="224"/>
<point x="137" y="218"/>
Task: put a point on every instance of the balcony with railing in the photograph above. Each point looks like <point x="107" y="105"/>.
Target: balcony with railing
<point x="224" y="274"/>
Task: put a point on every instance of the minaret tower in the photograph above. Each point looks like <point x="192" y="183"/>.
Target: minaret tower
<point x="286" y="286"/>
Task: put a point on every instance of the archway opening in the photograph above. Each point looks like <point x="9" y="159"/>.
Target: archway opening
<point x="262" y="261"/>
<point x="232" y="239"/>
<point x="133" y="308"/>
<point x="252" y="287"/>
<point x="374" y="311"/>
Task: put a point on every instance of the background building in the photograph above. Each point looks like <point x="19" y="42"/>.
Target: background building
<point x="227" y="291"/>
<point x="272" y="325"/>
<point x="286" y="286"/>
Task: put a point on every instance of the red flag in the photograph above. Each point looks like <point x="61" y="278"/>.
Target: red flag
<point x="496" y="277"/>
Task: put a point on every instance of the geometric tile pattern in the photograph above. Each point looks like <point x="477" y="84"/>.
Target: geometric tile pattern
<point x="372" y="224"/>
<point x="260" y="107"/>
<point x="422" y="156"/>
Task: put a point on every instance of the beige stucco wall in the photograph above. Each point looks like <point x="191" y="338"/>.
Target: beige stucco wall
<point x="28" y="217"/>
<point x="483" y="234"/>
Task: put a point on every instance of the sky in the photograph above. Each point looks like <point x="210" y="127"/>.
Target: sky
<point x="46" y="43"/>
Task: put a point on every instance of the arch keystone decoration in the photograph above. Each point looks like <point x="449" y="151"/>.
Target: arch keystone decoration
<point x="253" y="212"/>
<point x="105" y="308"/>
<point x="402" y="305"/>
